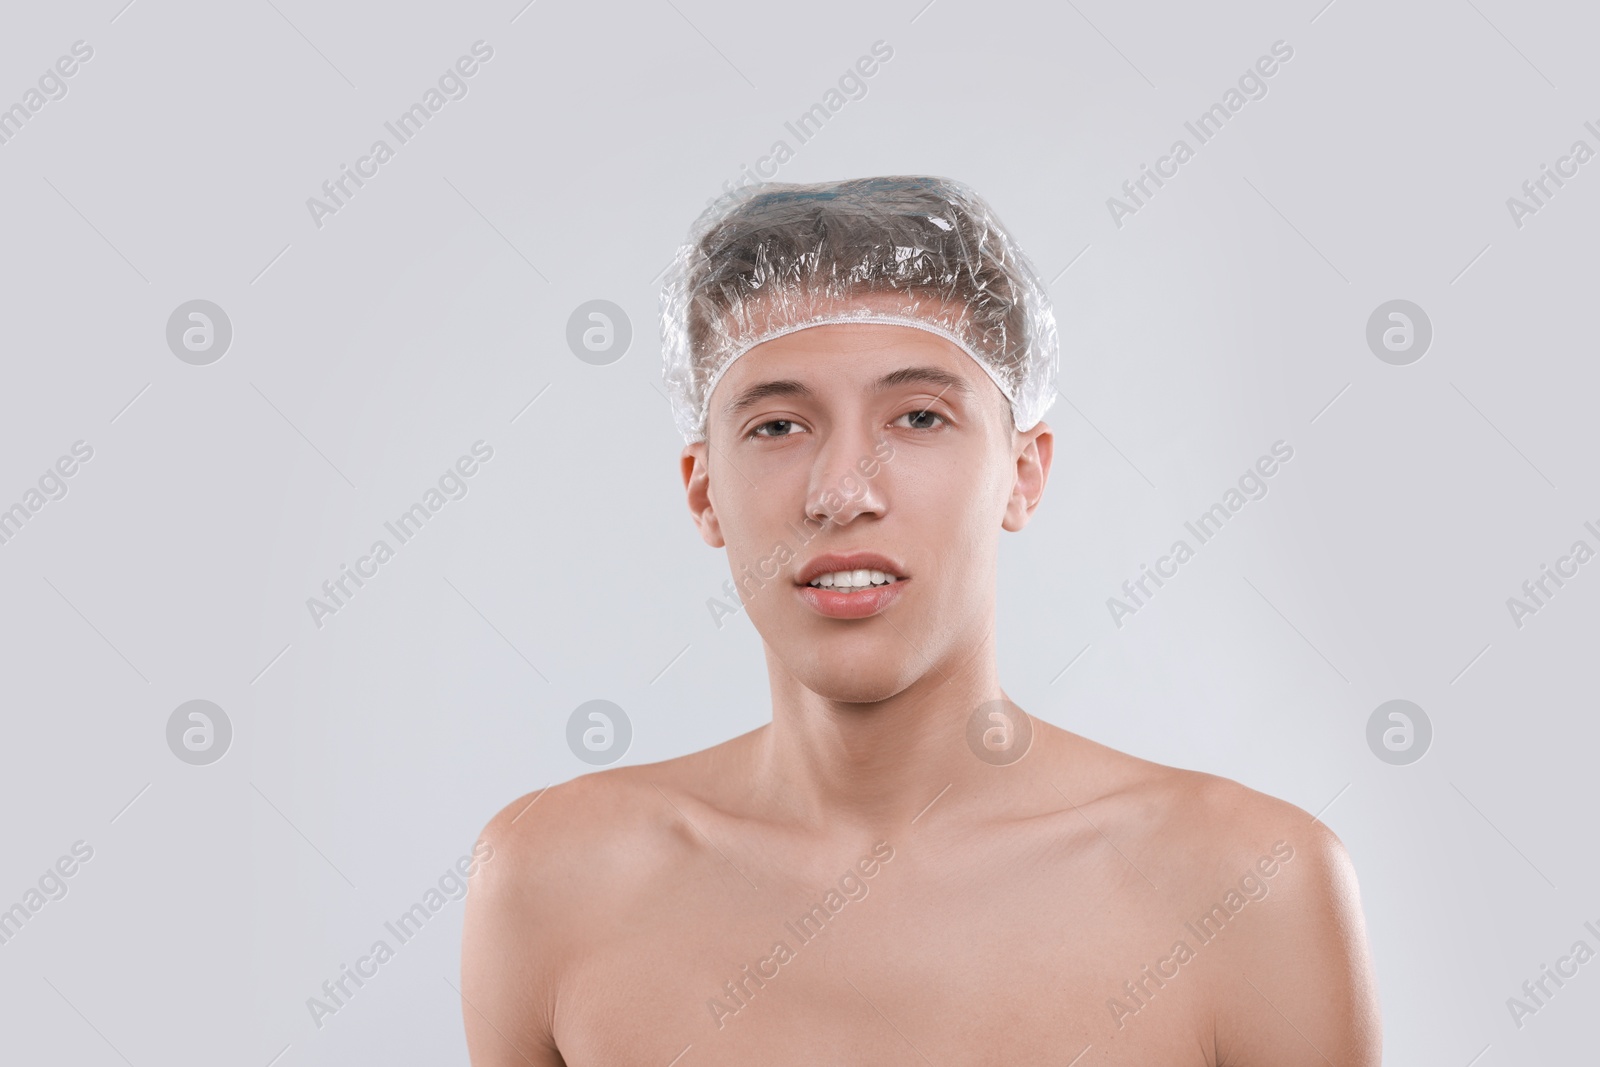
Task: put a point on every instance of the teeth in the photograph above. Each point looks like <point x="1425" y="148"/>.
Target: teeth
<point x="850" y="581"/>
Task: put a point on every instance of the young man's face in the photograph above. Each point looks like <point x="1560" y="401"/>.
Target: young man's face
<point x="864" y="438"/>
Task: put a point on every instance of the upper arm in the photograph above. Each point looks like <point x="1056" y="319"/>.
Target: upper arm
<point x="507" y="958"/>
<point x="1301" y="992"/>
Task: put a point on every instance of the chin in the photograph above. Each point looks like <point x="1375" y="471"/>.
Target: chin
<point x="859" y="666"/>
<point x="872" y="679"/>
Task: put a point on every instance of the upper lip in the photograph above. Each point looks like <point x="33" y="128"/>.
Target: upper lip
<point x="848" y="561"/>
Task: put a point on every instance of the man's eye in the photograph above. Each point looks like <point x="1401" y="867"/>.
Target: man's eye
<point x="783" y="428"/>
<point x="918" y="416"/>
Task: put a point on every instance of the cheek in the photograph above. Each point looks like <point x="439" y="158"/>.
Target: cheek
<point x="958" y="489"/>
<point x="754" y="518"/>
<point x="955" y="509"/>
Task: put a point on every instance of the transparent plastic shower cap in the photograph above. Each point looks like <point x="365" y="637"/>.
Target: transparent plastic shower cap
<point x="917" y="251"/>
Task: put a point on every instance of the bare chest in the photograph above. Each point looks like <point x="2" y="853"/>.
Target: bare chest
<point x="914" y="964"/>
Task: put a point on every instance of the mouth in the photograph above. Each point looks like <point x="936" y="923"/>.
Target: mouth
<point x="851" y="586"/>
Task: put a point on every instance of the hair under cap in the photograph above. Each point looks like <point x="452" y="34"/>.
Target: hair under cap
<point x="918" y="251"/>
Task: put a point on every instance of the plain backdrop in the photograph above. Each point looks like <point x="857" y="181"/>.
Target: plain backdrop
<point x="374" y="346"/>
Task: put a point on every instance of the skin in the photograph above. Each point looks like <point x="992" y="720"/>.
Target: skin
<point x="1006" y="906"/>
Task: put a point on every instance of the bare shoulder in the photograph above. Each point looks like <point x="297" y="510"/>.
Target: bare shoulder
<point x="1243" y="836"/>
<point x="1269" y="903"/>
<point x="587" y="845"/>
<point x="553" y="827"/>
<point x="1299" y="986"/>
<point x="557" y="866"/>
<point x="1197" y="826"/>
<point x="567" y="846"/>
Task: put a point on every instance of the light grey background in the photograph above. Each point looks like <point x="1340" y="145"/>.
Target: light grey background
<point x="368" y="354"/>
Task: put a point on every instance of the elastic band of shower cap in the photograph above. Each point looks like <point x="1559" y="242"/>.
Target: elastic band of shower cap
<point x="919" y="251"/>
<point x="885" y="320"/>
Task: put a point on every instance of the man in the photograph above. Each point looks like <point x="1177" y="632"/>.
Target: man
<point x="903" y="867"/>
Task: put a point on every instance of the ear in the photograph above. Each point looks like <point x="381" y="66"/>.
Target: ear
<point x="697" y="485"/>
<point x="1037" y="449"/>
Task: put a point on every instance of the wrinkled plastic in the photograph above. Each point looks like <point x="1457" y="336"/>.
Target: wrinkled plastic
<point x="918" y="251"/>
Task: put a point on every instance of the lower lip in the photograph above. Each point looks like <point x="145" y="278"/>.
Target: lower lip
<point x="858" y="605"/>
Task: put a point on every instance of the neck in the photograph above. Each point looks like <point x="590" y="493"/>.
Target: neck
<point x="827" y="762"/>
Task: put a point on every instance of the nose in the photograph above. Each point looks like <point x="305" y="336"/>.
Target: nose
<point x="840" y="489"/>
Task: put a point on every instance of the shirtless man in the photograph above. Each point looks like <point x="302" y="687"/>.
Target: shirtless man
<point x="902" y="867"/>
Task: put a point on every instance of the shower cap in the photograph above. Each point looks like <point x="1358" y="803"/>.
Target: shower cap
<point x="920" y="251"/>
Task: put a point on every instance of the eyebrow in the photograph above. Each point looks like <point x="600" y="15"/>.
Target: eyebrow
<point x="934" y="376"/>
